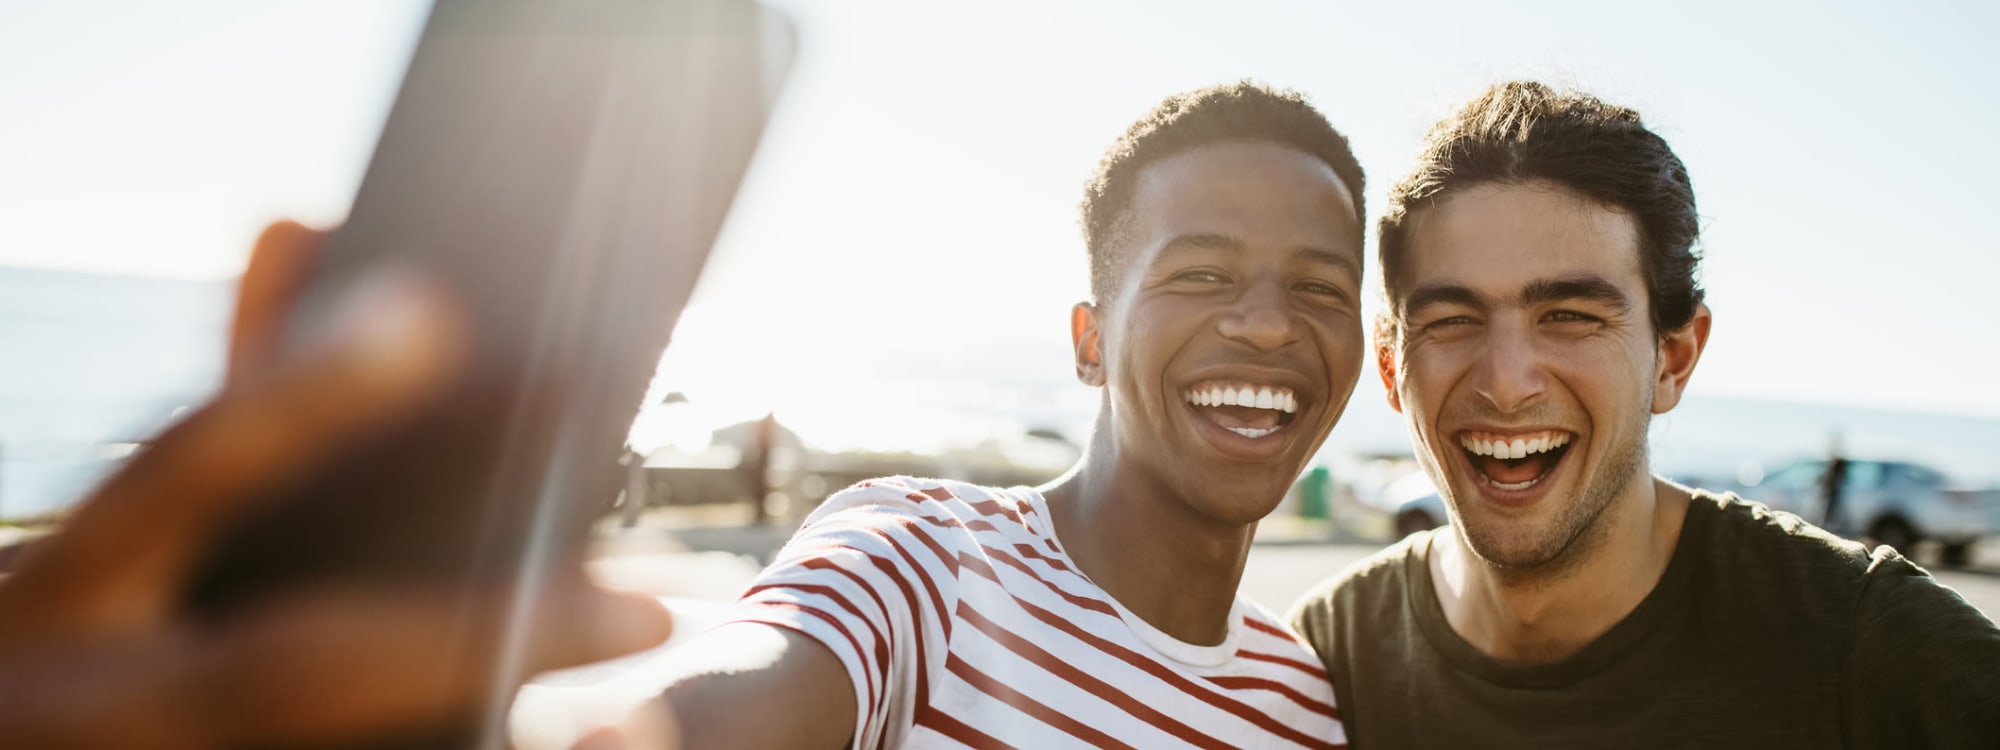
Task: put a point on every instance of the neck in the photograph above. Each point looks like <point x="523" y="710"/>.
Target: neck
<point x="1546" y="616"/>
<point x="1128" y="532"/>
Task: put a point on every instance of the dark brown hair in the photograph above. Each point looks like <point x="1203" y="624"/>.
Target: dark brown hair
<point x="1242" y="111"/>
<point x="1524" y="131"/>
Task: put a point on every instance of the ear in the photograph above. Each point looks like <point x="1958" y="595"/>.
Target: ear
<point x="1679" y="351"/>
<point x="1385" y="359"/>
<point x="271" y="283"/>
<point x="1084" y="337"/>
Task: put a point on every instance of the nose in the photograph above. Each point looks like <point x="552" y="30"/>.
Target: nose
<point x="1260" y="318"/>
<point x="1511" y="377"/>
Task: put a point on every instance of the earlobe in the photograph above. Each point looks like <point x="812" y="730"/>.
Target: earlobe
<point x="1085" y="340"/>
<point x="1385" y="366"/>
<point x="1679" y="352"/>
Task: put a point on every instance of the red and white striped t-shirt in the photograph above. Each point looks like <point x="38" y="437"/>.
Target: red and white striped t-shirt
<point x="962" y="623"/>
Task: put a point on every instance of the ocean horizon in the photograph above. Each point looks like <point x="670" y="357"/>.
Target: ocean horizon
<point x="95" y="362"/>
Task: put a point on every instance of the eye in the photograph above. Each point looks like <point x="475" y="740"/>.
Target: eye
<point x="1570" y="316"/>
<point x="1321" y="289"/>
<point x="1448" y="324"/>
<point x="1200" y="276"/>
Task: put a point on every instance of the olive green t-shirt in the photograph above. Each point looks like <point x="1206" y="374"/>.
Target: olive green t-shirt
<point x="1764" y="632"/>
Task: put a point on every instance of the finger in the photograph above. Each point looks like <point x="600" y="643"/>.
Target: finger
<point x="271" y="282"/>
<point x="358" y="666"/>
<point x="124" y="551"/>
<point x="99" y="694"/>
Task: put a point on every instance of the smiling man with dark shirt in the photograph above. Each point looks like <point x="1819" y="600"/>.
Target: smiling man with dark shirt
<point x="1543" y="305"/>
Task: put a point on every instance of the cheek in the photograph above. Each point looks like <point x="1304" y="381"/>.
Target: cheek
<point x="1138" y="354"/>
<point x="1603" y="369"/>
<point x="1433" y="368"/>
<point x="1345" y="352"/>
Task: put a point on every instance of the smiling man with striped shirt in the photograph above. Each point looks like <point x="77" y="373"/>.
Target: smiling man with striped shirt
<point x="1100" y="610"/>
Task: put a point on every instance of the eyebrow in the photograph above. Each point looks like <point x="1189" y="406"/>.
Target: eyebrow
<point x="1204" y="241"/>
<point x="1323" y="256"/>
<point x="1210" y="241"/>
<point x="1586" y="287"/>
<point x="1443" y="294"/>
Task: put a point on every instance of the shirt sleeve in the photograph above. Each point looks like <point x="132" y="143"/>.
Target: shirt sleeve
<point x="866" y="578"/>
<point x="1923" y="665"/>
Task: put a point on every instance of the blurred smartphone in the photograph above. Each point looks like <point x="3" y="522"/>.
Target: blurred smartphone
<point x="561" y="167"/>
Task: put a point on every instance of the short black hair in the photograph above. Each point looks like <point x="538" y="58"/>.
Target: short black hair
<point x="1523" y="131"/>
<point x="1241" y="111"/>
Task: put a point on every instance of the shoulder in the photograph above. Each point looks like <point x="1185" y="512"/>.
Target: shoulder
<point x="1776" y="544"/>
<point x="1263" y="626"/>
<point x="895" y="539"/>
<point x="1374" y="585"/>
<point x="1273" y="642"/>
<point x="1902" y="605"/>
<point x="1762" y="557"/>
<point x="940" y="511"/>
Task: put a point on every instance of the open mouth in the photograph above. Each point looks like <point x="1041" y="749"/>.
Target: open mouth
<point x="1515" y="462"/>
<point x="1247" y="409"/>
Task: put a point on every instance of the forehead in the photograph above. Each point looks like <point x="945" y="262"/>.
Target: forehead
<point x="1259" y="194"/>
<point x="1499" y="238"/>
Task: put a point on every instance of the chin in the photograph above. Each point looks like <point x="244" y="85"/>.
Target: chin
<point x="1515" y="549"/>
<point x="1241" y="508"/>
<point x="1538" y="545"/>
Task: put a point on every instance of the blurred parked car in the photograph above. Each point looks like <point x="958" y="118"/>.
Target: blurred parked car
<point x="1892" y="502"/>
<point x="1422" y="512"/>
<point x="1417" y="504"/>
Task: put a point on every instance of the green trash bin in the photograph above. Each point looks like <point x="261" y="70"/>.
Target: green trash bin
<point x="1314" y="488"/>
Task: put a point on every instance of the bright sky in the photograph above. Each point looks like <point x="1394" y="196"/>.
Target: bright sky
<point x="908" y="236"/>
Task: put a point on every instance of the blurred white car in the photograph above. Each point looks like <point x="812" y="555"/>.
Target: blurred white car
<point x="1416" y="503"/>
<point x="1892" y="502"/>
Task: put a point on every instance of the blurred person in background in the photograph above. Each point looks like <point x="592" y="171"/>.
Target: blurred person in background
<point x="1543" y="305"/>
<point x="95" y="650"/>
<point x="1224" y="232"/>
<point x="1832" y="484"/>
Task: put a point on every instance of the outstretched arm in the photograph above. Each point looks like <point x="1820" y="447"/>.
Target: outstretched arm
<point x="94" y="652"/>
<point x="744" y="685"/>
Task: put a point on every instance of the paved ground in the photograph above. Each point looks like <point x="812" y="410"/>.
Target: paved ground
<point x="1280" y="569"/>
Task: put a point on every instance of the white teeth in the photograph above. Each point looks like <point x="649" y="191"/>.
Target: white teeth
<point x="1516" y="448"/>
<point x="1516" y="485"/>
<point x="1252" y="432"/>
<point x="1266" y="397"/>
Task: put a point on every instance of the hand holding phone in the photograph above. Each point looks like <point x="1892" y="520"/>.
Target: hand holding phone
<point x="95" y="651"/>
<point x="559" y="169"/>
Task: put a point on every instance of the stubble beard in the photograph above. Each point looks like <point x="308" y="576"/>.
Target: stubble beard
<point x="1548" y="553"/>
